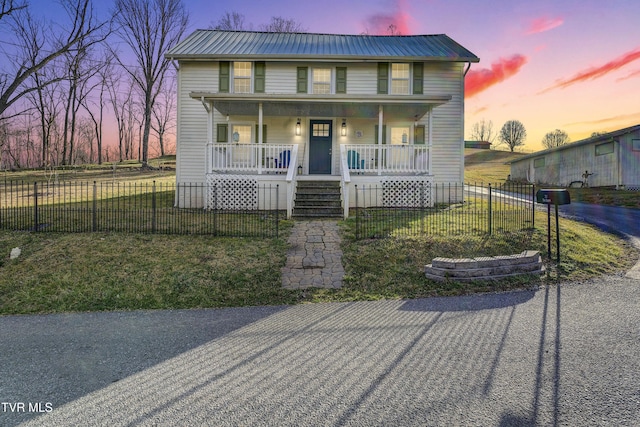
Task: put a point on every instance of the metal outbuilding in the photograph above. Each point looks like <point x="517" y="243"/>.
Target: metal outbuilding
<point x="608" y="160"/>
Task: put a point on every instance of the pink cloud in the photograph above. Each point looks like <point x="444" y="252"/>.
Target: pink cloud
<point x="382" y="23"/>
<point x="540" y="25"/>
<point x="599" y="71"/>
<point x="629" y="76"/>
<point x="479" y="80"/>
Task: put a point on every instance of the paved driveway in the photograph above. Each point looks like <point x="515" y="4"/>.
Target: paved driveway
<point x="562" y="355"/>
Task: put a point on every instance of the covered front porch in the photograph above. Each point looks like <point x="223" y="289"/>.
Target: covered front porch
<point x="282" y="138"/>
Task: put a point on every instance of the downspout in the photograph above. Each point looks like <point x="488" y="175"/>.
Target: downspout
<point x="467" y="70"/>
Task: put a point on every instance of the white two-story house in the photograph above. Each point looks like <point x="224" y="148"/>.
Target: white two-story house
<point x="280" y="108"/>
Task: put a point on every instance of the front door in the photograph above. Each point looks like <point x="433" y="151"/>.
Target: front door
<point x="320" y="143"/>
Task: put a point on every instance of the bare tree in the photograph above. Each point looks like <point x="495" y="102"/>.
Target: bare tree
<point x="36" y="45"/>
<point x="163" y="114"/>
<point x="231" y="21"/>
<point x="595" y="134"/>
<point x="513" y="134"/>
<point x="279" y="24"/>
<point x="149" y="27"/>
<point x="555" y="138"/>
<point x="46" y="101"/>
<point x="7" y="7"/>
<point x="483" y="131"/>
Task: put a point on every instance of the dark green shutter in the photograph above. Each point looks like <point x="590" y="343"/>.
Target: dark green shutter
<point x="341" y="79"/>
<point x="418" y="135"/>
<point x="418" y="78"/>
<point x="384" y="134"/>
<point x="259" y="77"/>
<point x="302" y="84"/>
<point x="223" y="132"/>
<point x="264" y="133"/>
<point x="383" y="77"/>
<point x="224" y="77"/>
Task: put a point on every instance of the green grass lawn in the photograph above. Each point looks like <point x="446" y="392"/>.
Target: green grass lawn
<point x="94" y="271"/>
<point x="59" y="272"/>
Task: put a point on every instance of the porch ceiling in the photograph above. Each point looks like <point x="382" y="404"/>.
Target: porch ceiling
<point x="408" y="107"/>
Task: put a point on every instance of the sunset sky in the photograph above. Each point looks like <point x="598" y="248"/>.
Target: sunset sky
<point x="563" y="64"/>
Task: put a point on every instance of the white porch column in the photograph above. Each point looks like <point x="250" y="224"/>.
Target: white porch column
<point x="260" y="136"/>
<point x="380" y="134"/>
<point x="430" y="141"/>
<point x="208" y="105"/>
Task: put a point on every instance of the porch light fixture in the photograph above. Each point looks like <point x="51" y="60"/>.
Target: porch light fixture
<point x="343" y="131"/>
<point x="298" y="127"/>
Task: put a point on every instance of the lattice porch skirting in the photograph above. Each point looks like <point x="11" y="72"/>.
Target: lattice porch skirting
<point x="407" y="192"/>
<point x="232" y="192"/>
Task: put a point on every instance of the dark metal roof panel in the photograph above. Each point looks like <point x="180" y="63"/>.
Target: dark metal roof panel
<point x="205" y="44"/>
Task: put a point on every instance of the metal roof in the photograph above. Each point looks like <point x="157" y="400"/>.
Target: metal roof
<point x="591" y="140"/>
<point x="210" y="44"/>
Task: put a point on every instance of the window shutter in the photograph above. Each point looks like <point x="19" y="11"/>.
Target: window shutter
<point x="383" y="77"/>
<point x="259" y="77"/>
<point x="384" y="134"/>
<point x="264" y="133"/>
<point x="302" y="84"/>
<point x="224" y="77"/>
<point x="341" y="79"/>
<point x="418" y="78"/>
<point x="418" y="135"/>
<point x="223" y="132"/>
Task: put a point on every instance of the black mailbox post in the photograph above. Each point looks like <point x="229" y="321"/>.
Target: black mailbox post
<point x="553" y="197"/>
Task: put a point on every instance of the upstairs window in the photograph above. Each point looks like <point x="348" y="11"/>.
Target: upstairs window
<point x="242" y="77"/>
<point x="400" y="79"/>
<point x="321" y="81"/>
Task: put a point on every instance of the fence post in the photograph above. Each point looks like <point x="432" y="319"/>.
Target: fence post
<point x="533" y="206"/>
<point x="95" y="207"/>
<point x="490" y="213"/>
<point x="215" y="208"/>
<point x="153" y="208"/>
<point x="35" y="206"/>
<point x="277" y="209"/>
<point x="421" y="218"/>
<point x="357" y="212"/>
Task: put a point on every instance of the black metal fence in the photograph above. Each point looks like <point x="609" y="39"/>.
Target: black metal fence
<point x="444" y="209"/>
<point x="164" y="208"/>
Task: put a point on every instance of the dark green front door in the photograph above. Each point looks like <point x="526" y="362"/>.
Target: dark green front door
<point x="320" y="143"/>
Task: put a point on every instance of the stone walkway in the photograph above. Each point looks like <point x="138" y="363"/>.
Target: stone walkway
<point x="314" y="258"/>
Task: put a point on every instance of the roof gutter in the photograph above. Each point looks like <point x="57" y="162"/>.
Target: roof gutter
<point x="467" y="70"/>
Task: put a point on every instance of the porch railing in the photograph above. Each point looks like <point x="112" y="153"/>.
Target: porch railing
<point x="387" y="159"/>
<point x="254" y="158"/>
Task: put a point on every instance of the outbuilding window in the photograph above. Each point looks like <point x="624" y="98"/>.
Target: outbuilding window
<point x="539" y="162"/>
<point x="606" y="148"/>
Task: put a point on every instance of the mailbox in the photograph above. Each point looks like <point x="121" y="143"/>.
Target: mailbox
<point x="553" y="197"/>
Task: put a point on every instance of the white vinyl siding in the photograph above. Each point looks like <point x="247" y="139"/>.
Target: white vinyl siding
<point x="192" y="120"/>
<point x="448" y="120"/>
<point x="362" y="79"/>
<point x="440" y="79"/>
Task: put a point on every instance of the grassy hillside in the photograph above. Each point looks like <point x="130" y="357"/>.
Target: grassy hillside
<point x="489" y="166"/>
